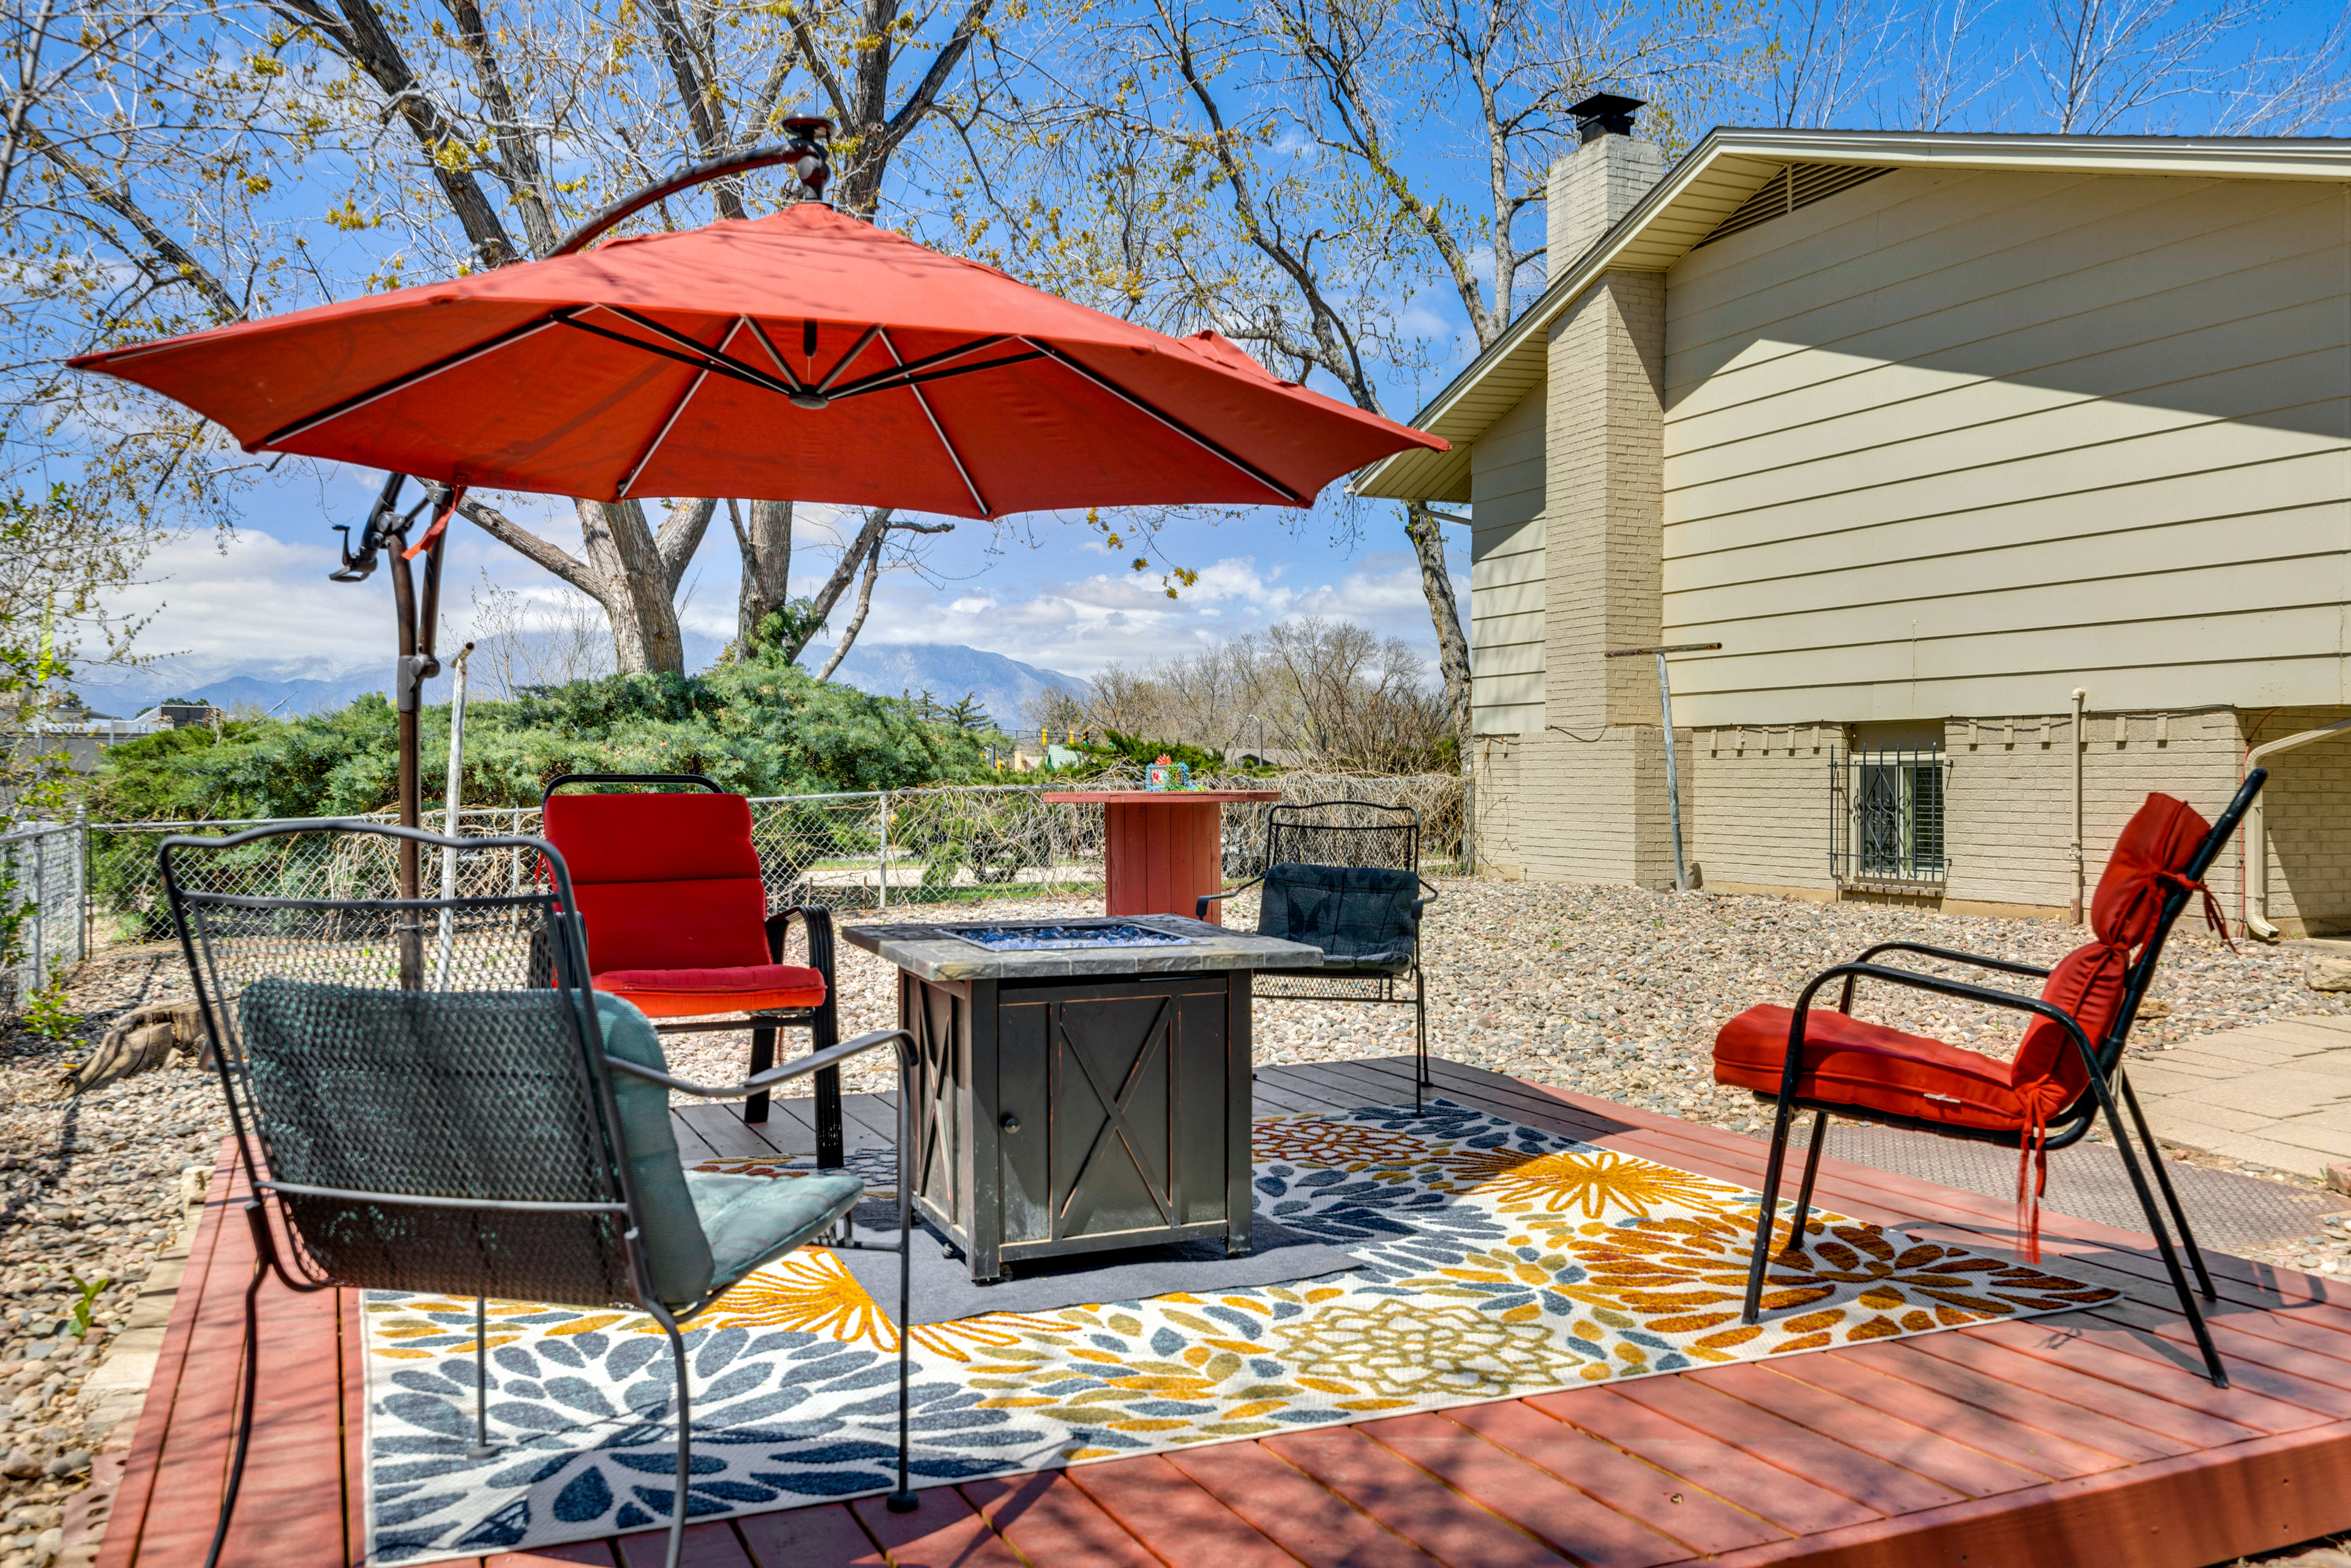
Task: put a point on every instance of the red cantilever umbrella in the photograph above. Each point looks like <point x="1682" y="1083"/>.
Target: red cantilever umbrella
<point x="804" y="356"/>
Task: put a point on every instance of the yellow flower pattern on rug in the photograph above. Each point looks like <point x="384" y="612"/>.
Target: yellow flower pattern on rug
<point x="1494" y="1260"/>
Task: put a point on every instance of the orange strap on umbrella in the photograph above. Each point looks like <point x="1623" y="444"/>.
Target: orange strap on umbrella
<point x="439" y="522"/>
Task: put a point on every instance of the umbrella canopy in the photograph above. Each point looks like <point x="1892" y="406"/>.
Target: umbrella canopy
<point x="801" y="356"/>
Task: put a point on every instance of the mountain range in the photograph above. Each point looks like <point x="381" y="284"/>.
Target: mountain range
<point x="287" y="688"/>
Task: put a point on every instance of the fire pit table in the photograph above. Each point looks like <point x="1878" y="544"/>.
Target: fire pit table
<point x="1081" y="1084"/>
<point x="1161" y="849"/>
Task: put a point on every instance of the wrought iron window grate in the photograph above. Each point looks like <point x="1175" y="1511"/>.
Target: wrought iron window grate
<point x="1886" y="821"/>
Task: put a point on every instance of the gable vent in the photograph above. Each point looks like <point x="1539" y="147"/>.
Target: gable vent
<point x="1796" y="185"/>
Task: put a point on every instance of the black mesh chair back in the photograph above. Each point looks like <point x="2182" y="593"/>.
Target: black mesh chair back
<point x="1344" y="833"/>
<point x="413" y="1080"/>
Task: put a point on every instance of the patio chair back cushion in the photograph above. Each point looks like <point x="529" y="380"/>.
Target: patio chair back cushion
<point x="669" y="887"/>
<point x="472" y="1094"/>
<point x="1360" y="916"/>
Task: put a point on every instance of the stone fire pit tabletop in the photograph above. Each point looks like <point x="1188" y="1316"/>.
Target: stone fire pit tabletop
<point x="928" y="953"/>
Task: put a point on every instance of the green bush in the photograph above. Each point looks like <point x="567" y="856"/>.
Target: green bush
<point x="761" y="727"/>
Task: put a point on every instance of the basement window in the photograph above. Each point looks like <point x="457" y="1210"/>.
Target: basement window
<point x="1886" y="820"/>
<point x="1796" y="185"/>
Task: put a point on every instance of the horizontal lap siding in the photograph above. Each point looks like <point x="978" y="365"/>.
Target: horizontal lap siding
<point x="1953" y="443"/>
<point x="1505" y="573"/>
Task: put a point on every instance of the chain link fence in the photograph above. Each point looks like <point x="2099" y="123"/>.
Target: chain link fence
<point x="864" y="850"/>
<point x="42" y="906"/>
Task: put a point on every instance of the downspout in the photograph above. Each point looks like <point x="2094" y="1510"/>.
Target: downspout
<point x="2257" y="843"/>
<point x="2081" y="745"/>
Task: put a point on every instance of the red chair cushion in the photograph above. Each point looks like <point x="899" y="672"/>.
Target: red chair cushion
<point x="699" y="993"/>
<point x="2160" y="838"/>
<point x="670" y="883"/>
<point x="1849" y="1061"/>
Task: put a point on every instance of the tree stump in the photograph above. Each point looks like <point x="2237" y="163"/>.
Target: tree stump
<point x="145" y="1039"/>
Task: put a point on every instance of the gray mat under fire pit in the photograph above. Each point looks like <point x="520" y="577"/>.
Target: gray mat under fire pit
<point x="2229" y="1211"/>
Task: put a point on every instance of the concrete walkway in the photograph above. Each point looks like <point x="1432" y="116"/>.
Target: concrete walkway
<point x="2277" y="1094"/>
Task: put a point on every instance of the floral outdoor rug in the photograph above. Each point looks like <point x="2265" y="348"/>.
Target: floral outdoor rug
<point x="1497" y="1260"/>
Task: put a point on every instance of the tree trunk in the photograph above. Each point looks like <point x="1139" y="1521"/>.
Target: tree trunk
<point x="1427" y="535"/>
<point x="766" y="548"/>
<point x="630" y="580"/>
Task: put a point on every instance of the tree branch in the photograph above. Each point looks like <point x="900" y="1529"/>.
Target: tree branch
<point x="178" y="261"/>
<point x="516" y="538"/>
<point x="680" y="536"/>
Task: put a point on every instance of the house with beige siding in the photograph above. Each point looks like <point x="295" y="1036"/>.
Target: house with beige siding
<point x="1931" y="434"/>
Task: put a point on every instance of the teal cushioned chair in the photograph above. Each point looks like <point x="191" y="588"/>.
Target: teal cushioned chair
<point x="437" y="1102"/>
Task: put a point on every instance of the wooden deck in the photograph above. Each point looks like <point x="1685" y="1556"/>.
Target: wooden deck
<point x="2084" y="1439"/>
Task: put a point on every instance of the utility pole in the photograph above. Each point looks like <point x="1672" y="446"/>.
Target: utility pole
<point x="1666" y="716"/>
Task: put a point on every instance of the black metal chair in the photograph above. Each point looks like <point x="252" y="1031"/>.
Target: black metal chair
<point x="431" y="1097"/>
<point x="1345" y="876"/>
<point x="2067" y="1072"/>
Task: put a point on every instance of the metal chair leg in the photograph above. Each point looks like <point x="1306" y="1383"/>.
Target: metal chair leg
<point x="2162" y="1237"/>
<point x="763" y="1056"/>
<point x="482" y="1448"/>
<point x="1420" y="1078"/>
<point x="904" y="1500"/>
<point x="2163" y="1180"/>
<point x="1765" y="1211"/>
<point x="1812" y="1175"/>
<point x="260" y="1223"/>
<point x="684" y="1498"/>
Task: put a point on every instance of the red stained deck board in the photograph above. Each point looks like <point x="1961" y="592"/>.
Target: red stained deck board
<point x="1046" y="1518"/>
<point x="1442" y="1522"/>
<point x="1790" y="1502"/>
<point x="1175" y="1517"/>
<point x="2150" y="1412"/>
<point x="1826" y="1461"/>
<point x="158" y="1415"/>
<point x="711" y="1544"/>
<point x="2023" y="1406"/>
<point x="1665" y="1502"/>
<point x="2262" y="1366"/>
<point x="1864" y="1380"/>
<point x="1295" y="1513"/>
<point x="1543" y="1506"/>
<point x="2084" y="1345"/>
<point x="824" y="1535"/>
<point x="945" y="1531"/>
<point x="1908" y="1446"/>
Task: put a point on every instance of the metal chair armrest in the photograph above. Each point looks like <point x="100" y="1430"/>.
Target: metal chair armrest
<point x="1793" y="1067"/>
<point x="1200" y="908"/>
<point x="818" y="921"/>
<point x="816" y="1061"/>
<point x="2005" y="965"/>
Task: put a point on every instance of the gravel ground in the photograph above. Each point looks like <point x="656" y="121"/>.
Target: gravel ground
<point x="1611" y="992"/>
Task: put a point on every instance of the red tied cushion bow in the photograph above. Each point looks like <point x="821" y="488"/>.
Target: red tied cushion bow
<point x="2212" y="915"/>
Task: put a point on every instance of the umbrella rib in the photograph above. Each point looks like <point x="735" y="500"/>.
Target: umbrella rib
<point x="1178" y="426"/>
<point x="890" y="381"/>
<point x="846" y="359"/>
<point x="424" y="372"/>
<point x="940" y="431"/>
<point x="663" y="435"/>
<point x="907" y="367"/>
<point x="708" y="358"/>
<point x="768" y="343"/>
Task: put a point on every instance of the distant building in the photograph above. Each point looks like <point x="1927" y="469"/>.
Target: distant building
<point x="1926" y="431"/>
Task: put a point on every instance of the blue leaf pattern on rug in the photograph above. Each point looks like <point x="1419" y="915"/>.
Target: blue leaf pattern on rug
<point x="1495" y="1260"/>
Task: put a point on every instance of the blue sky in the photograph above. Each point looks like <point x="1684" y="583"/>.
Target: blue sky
<point x="1054" y="594"/>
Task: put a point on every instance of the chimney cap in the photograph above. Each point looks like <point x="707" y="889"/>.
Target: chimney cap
<point x="1604" y="114"/>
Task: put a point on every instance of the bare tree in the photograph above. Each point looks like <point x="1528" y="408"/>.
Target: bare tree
<point x="2102" y="62"/>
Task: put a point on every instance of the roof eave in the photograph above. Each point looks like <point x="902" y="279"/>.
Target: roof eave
<point x="1421" y="476"/>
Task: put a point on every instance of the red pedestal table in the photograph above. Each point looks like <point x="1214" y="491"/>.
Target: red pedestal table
<point x="1161" y="849"/>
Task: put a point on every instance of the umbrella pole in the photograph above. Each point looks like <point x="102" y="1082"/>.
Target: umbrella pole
<point x="415" y="615"/>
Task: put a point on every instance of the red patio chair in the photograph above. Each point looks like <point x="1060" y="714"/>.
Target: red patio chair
<point x="2062" y="1075"/>
<point x="669" y="888"/>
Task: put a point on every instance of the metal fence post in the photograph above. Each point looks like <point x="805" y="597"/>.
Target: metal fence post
<point x="885" y="893"/>
<point x="81" y="880"/>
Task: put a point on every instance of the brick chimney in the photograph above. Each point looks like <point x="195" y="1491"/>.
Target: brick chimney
<point x="1604" y="517"/>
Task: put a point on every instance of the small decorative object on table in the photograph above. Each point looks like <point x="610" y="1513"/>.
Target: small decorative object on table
<point x="1166" y="775"/>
